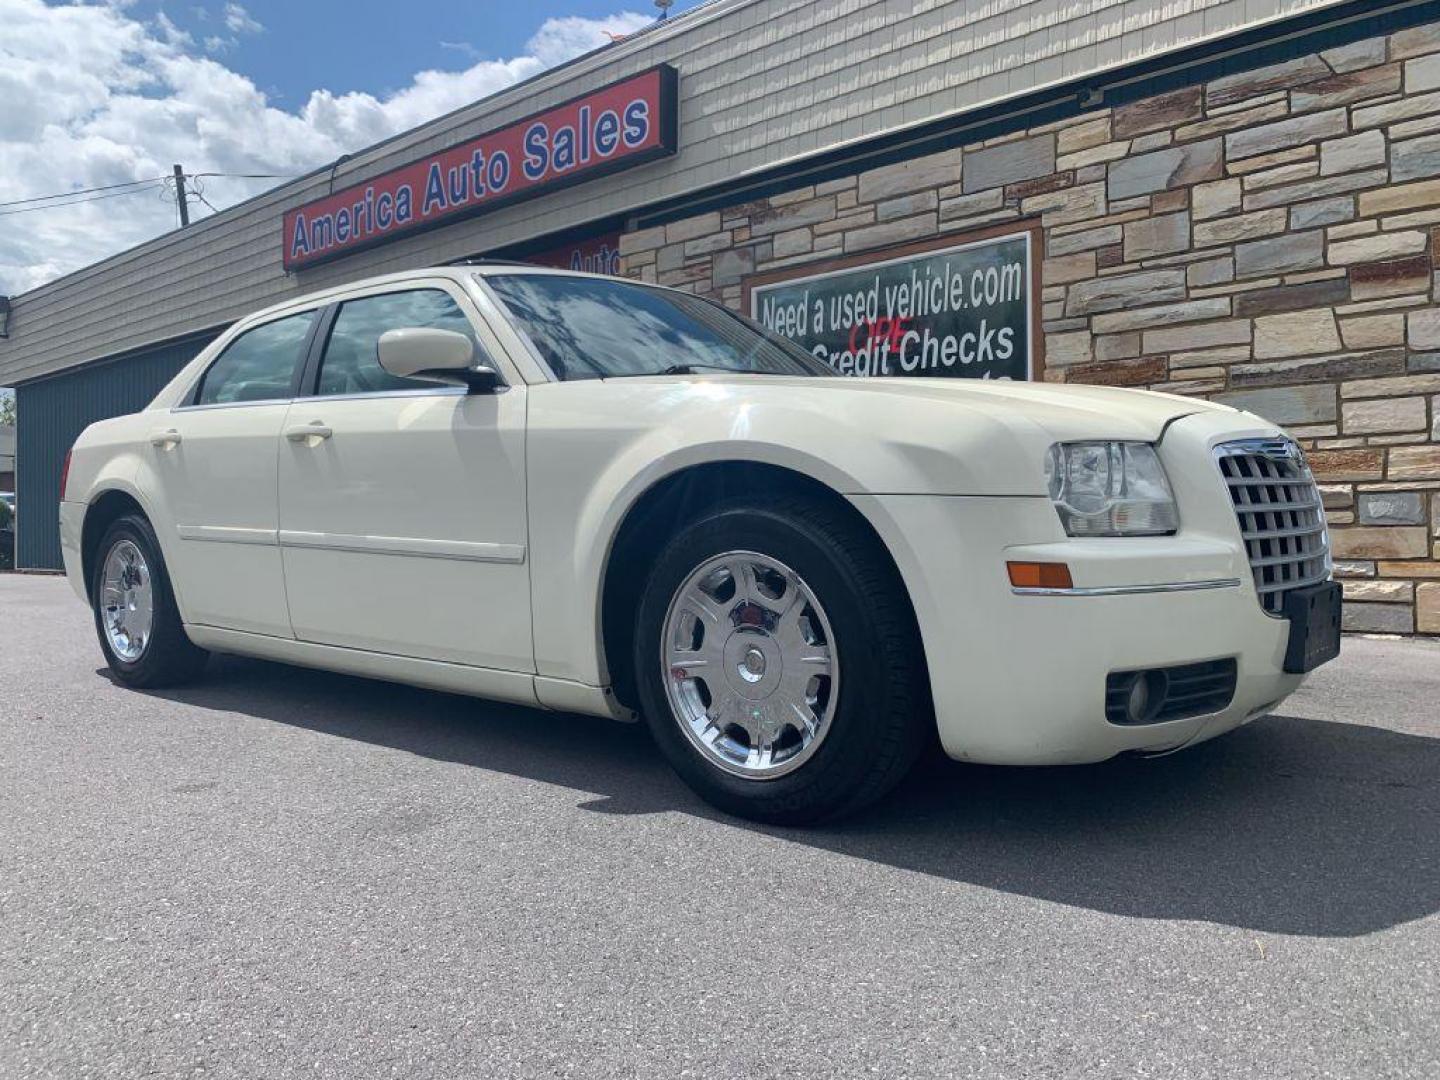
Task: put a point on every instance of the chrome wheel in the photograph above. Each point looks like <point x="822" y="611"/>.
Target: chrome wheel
<point x="750" y="666"/>
<point x="127" y="605"/>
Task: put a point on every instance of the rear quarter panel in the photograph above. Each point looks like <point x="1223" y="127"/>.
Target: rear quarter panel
<point x="106" y="457"/>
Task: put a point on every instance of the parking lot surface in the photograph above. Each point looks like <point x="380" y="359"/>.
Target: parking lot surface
<point x="281" y="873"/>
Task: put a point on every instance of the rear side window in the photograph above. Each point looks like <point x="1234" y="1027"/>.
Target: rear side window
<point x="259" y="365"/>
<point x="351" y="364"/>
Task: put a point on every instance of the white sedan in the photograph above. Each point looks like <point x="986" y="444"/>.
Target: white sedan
<point x="597" y="496"/>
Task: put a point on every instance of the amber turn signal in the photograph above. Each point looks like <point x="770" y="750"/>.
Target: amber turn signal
<point x="1039" y="575"/>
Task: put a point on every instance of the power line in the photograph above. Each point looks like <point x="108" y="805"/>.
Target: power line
<point x="137" y="183"/>
<point x="81" y="191"/>
<point x="78" y="202"/>
<point x="246" y="176"/>
<point x="188" y="186"/>
<point x="63" y="199"/>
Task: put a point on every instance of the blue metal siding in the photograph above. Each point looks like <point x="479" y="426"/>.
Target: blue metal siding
<point x="51" y="414"/>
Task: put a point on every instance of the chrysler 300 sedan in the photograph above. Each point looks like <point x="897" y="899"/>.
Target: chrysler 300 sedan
<point x="594" y="495"/>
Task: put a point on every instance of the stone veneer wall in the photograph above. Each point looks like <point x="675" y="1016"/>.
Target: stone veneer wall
<point x="1269" y="239"/>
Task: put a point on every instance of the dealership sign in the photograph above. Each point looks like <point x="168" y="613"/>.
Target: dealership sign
<point x="619" y="126"/>
<point x="597" y="255"/>
<point x="960" y="310"/>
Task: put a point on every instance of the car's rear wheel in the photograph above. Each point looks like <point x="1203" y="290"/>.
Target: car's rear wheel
<point x="778" y="661"/>
<point x="136" y="617"/>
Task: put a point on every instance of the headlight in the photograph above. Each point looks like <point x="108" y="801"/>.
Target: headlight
<point x="1110" y="489"/>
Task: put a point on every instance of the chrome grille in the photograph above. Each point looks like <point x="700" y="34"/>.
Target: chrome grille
<point x="1282" y="522"/>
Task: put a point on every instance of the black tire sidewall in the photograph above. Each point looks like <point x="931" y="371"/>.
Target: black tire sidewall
<point x="168" y="643"/>
<point x="825" y="783"/>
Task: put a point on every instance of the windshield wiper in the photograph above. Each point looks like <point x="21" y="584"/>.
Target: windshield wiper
<point x="691" y="369"/>
<point x="697" y="369"/>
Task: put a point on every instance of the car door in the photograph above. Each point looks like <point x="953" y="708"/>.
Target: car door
<point x="214" y="461"/>
<point x="402" y="503"/>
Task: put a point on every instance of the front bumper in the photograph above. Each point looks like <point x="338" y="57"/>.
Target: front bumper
<point x="1020" y="679"/>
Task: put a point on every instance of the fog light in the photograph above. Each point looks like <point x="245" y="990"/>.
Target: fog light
<point x="1145" y="696"/>
<point x="1177" y="692"/>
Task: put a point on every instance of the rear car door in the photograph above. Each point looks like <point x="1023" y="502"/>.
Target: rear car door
<point x="402" y="503"/>
<point x="215" y="465"/>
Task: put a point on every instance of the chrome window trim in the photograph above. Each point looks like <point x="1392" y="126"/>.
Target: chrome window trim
<point x="438" y="391"/>
<point x="1130" y="590"/>
<point x="368" y="395"/>
<point x="230" y="404"/>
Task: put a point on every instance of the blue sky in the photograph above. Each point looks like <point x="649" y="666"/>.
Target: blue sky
<point x="368" y="45"/>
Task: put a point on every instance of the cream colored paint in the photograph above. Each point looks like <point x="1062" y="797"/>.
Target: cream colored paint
<point x="404" y="531"/>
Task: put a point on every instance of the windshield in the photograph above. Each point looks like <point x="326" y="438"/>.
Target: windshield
<point x="598" y="328"/>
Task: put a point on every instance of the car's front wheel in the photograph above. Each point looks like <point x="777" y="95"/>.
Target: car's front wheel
<point x="778" y="661"/>
<point x="136" y="617"/>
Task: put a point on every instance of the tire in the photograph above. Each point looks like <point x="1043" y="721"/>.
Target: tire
<point x="876" y="721"/>
<point x="165" y="656"/>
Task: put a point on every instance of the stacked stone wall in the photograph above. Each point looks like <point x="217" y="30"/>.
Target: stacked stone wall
<point x="1269" y="239"/>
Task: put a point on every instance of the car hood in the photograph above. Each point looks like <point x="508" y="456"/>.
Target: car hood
<point x="1060" y="411"/>
<point x="897" y="436"/>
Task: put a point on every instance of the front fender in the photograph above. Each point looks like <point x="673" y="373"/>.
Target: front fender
<point x="618" y="492"/>
<point x="594" y="449"/>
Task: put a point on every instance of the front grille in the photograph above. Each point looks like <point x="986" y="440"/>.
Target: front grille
<point x="1277" y="506"/>
<point x="1179" y="692"/>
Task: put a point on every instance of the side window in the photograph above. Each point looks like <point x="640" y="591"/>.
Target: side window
<point x="351" y="364"/>
<point x="259" y="365"/>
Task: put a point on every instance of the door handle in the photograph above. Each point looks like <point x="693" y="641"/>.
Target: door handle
<point x="167" y="437"/>
<point x="313" y="430"/>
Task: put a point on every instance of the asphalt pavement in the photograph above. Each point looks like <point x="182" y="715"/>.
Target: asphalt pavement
<point x="279" y="873"/>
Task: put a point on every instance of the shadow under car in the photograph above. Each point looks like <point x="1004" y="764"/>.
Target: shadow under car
<point x="1288" y="825"/>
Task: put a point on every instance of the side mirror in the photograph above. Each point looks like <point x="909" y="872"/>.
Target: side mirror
<point x="441" y="356"/>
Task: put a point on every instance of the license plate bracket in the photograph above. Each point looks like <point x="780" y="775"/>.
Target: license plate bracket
<point x="1314" y="615"/>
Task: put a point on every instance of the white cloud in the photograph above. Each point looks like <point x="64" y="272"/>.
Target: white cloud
<point x="172" y="34"/>
<point x="464" y="48"/>
<point x="559" y="39"/>
<point x="239" y="21"/>
<point x="95" y="96"/>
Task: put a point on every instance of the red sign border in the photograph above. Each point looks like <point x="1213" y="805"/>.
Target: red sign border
<point x="668" y="124"/>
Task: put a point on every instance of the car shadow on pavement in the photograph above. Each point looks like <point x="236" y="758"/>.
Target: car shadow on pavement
<point x="1289" y="825"/>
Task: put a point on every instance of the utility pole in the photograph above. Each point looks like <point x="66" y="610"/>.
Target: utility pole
<point x="180" y="197"/>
